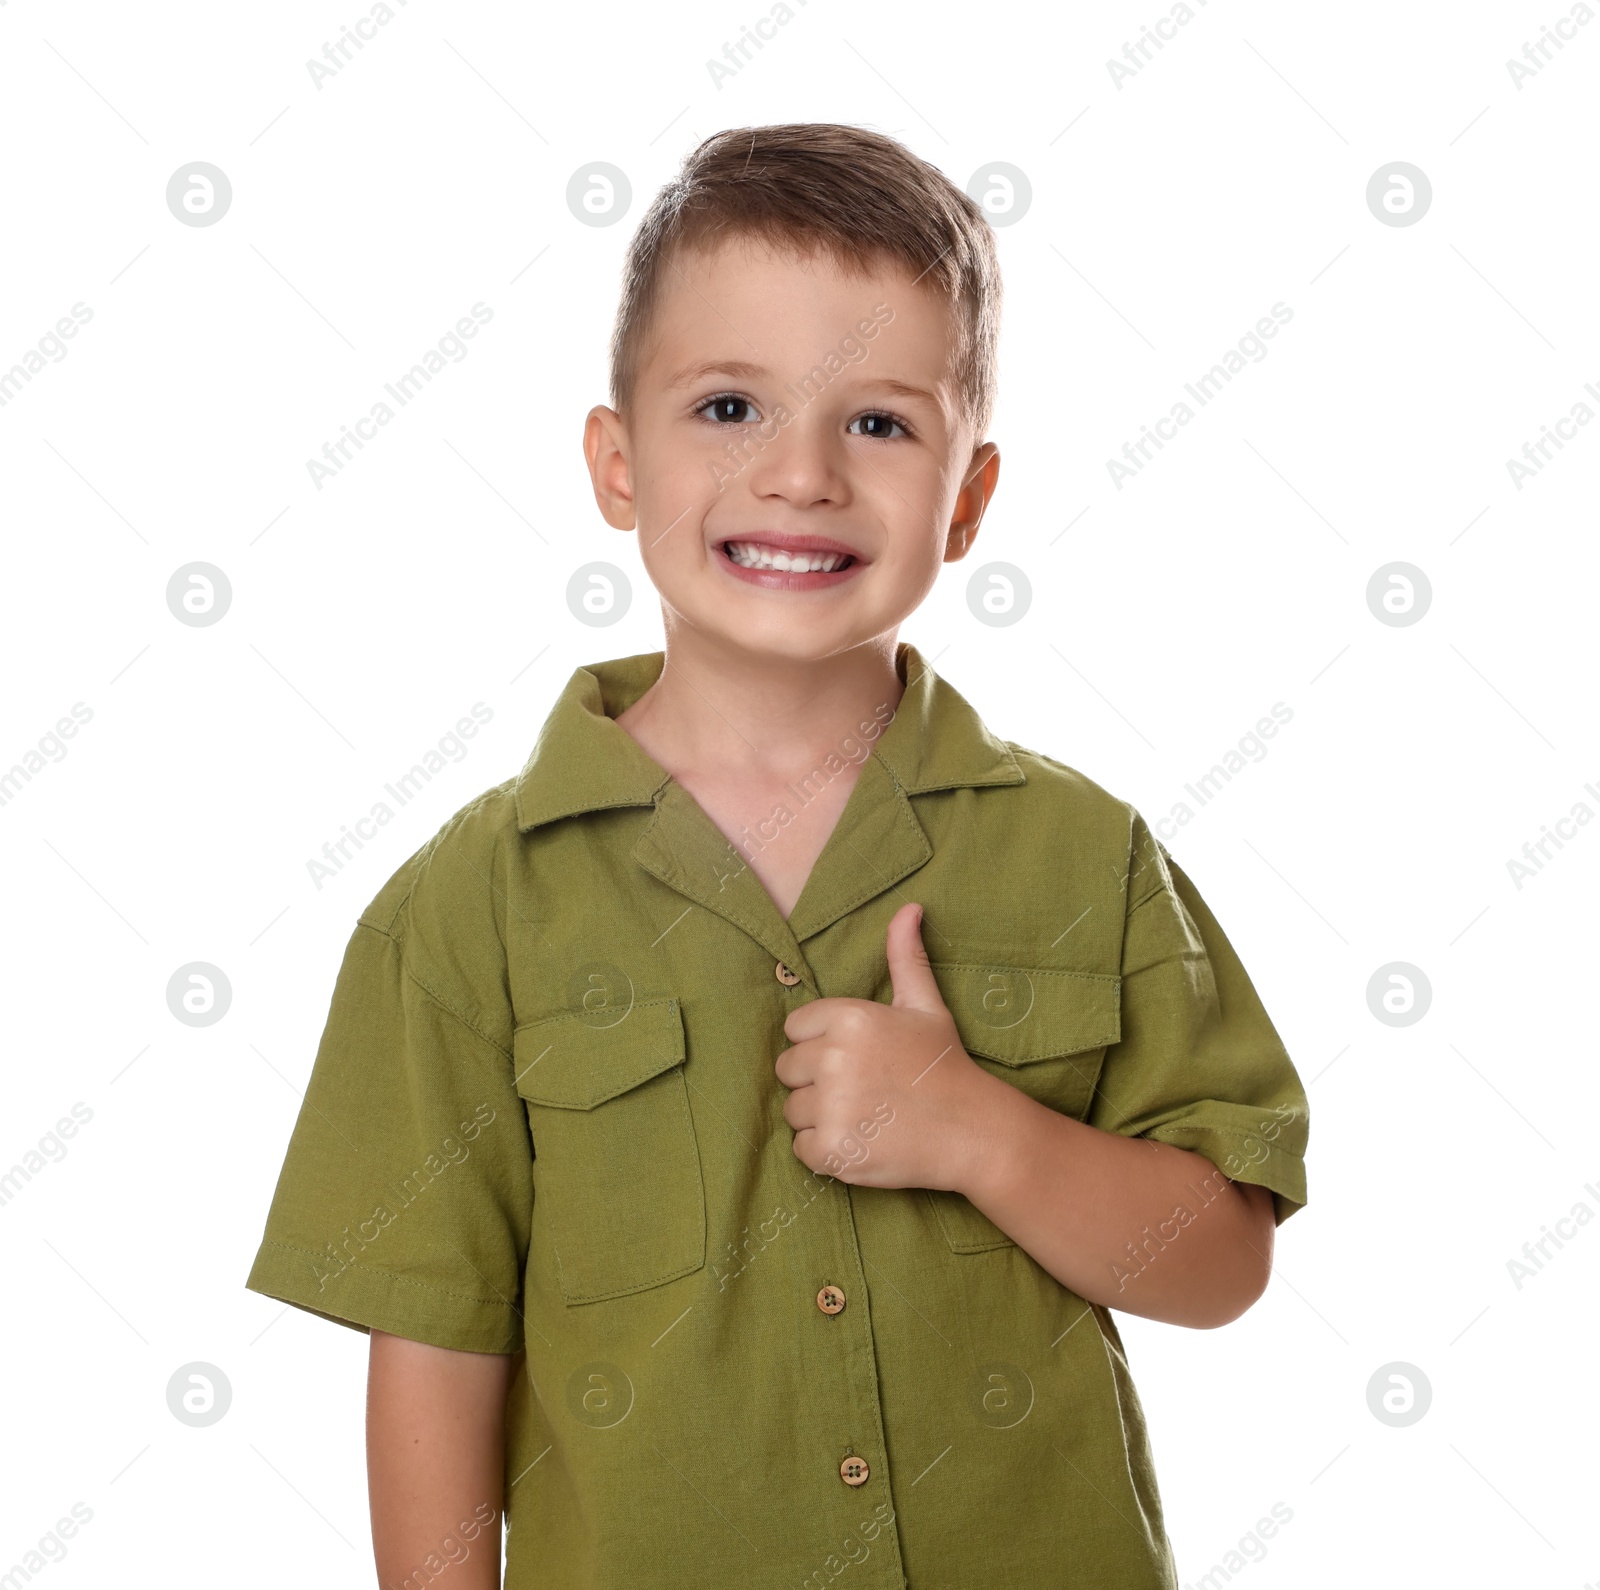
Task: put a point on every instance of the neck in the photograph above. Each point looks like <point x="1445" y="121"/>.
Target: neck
<point x="747" y="714"/>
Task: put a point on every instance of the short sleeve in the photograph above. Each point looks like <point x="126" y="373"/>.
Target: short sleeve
<point x="405" y="1196"/>
<point x="1199" y="1064"/>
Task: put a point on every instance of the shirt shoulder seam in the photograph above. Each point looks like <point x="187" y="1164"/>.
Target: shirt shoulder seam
<point x="433" y="994"/>
<point x="419" y="858"/>
<point x="449" y="1010"/>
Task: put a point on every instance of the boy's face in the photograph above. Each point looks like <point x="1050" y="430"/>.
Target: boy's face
<point x="795" y="410"/>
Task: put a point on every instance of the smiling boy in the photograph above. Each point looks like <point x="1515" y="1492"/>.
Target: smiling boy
<point x="826" y="1067"/>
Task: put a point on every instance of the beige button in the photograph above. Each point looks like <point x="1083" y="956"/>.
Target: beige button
<point x="785" y="976"/>
<point x="830" y="1300"/>
<point x="853" y="1471"/>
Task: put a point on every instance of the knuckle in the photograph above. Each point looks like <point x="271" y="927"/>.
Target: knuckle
<point x="854" y="1021"/>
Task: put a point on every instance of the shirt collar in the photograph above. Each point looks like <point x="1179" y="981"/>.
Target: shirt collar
<point x="583" y="761"/>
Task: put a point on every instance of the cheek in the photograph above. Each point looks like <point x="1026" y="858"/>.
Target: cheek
<point x="911" y="497"/>
<point x="673" y="496"/>
<point x="916" y="550"/>
<point x="678" y="479"/>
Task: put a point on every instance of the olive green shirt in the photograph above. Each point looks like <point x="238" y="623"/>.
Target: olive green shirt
<point x="543" y="1119"/>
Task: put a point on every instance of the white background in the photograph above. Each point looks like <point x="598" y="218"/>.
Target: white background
<point x="1168" y="215"/>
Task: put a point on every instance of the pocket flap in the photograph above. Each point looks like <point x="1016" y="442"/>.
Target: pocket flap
<point x="571" y="1062"/>
<point x="1019" y="1014"/>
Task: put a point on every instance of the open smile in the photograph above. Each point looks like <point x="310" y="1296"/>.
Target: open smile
<point x="788" y="563"/>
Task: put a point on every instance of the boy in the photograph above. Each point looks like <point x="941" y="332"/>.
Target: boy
<point x="734" y="1130"/>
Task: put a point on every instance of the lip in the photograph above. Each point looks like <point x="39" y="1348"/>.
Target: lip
<point x="789" y="579"/>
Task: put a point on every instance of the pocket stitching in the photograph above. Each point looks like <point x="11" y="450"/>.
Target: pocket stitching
<point x="672" y="1275"/>
<point x="671" y="1028"/>
<point x="1094" y="979"/>
<point x="987" y="1245"/>
<point x="669" y="1024"/>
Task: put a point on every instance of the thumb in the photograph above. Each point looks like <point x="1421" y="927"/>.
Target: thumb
<point x="909" y="972"/>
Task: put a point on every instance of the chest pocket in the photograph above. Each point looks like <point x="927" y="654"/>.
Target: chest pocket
<point x="1045" y="1032"/>
<point x="616" y="1168"/>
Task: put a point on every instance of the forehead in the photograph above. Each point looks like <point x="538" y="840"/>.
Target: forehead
<point x="745" y="300"/>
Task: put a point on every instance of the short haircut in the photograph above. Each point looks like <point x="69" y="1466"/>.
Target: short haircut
<point x="819" y="187"/>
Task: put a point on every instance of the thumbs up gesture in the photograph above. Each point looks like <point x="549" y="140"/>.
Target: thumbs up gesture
<point x="885" y="1095"/>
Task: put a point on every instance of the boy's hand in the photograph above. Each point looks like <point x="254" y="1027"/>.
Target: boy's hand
<point x="885" y="1095"/>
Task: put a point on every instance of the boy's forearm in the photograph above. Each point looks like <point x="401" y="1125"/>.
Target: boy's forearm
<point x="435" y="1463"/>
<point x="1126" y="1222"/>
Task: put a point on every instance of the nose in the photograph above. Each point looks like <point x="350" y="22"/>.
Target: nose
<point x="805" y="464"/>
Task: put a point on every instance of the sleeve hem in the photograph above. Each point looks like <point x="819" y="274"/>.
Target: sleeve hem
<point x="1282" y="1173"/>
<point x="366" y="1299"/>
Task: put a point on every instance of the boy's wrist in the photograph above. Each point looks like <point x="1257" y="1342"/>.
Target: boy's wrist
<point x="991" y="1136"/>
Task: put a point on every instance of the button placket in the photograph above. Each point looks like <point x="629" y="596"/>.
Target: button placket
<point x="856" y="1346"/>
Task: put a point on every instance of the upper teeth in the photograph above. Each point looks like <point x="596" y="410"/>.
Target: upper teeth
<point x="757" y="555"/>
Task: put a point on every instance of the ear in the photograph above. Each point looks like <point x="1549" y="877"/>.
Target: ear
<point x="605" y="446"/>
<point x="983" y="474"/>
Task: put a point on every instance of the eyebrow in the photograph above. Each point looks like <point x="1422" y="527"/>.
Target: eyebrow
<point x="903" y="390"/>
<point x="743" y="370"/>
<point x="740" y="369"/>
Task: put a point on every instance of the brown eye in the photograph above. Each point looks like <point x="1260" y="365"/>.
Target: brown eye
<point x="726" y="410"/>
<point x="880" y="427"/>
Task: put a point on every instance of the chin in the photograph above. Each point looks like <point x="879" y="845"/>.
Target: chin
<point x="790" y="642"/>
